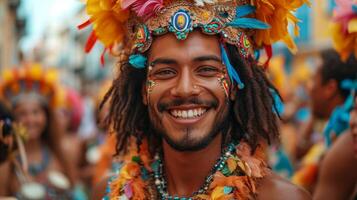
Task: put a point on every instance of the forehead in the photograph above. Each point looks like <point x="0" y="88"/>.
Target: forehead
<point x="196" y="44"/>
<point x="29" y="103"/>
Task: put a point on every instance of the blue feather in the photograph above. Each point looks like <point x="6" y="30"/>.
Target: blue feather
<point x="278" y="107"/>
<point x="242" y="11"/>
<point x="233" y="75"/>
<point x="138" y="61"/>
<point x="248" y="23"/>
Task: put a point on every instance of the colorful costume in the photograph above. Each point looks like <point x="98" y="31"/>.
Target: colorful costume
<point x="235" y="176"/>
<point x="127" y="28"/>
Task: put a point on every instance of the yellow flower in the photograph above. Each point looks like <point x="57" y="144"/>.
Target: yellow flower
<point x="108" y="20"/>
<point x="345" y="44"/>
<point x="278" y="14"/>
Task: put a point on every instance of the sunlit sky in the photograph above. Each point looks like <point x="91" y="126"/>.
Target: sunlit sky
<point x="41" y="14"/>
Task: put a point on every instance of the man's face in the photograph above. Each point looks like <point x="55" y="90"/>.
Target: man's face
<point x="186" y="101"/>
<point x="320" y="94"/>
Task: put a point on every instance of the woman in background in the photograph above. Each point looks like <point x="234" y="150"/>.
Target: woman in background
<point x="33" y="96"/>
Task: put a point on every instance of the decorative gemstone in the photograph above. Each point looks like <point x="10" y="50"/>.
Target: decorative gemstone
<point x="181" y="21"/>
<point x="227" y="190"/>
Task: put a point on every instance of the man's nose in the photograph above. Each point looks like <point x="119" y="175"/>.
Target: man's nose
<point x="185" y="86"/>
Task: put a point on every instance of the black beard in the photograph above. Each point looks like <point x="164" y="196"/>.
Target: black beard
<point x="220" y="125"/>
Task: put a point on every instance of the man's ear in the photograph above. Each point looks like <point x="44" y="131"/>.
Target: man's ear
<point x="144" y="94"/>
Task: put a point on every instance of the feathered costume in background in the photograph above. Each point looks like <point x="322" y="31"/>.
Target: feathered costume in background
<point x="344" y="28"/>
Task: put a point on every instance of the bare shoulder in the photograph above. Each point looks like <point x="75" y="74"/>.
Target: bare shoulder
<point x="274" y="187"/>
<point x="337" y="174"/>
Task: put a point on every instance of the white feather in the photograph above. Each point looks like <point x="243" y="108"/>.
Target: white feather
<point x="201" y="3"/>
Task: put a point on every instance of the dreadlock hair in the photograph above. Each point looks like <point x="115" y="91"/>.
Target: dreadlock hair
<point x="252" y="116"/>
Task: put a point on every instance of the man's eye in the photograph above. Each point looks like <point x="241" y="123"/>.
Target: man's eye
<point x="164" y="74"/>
<point x="208" y="71"/>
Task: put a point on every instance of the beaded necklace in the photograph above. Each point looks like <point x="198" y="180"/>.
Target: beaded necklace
<point x="234" y="176"/>
<point x="161" y="185"/>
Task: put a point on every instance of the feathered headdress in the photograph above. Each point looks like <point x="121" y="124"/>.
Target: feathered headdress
<point x="31" y="79"/>
<point x="344" y="28"/>
<point x="130" y="24"/>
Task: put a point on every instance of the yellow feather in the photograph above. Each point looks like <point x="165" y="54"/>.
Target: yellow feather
<point x="217" y="193"/>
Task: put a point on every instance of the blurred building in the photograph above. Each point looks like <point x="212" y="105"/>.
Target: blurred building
<point x="11" y="30"/>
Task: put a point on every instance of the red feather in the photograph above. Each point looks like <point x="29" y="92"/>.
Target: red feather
<point x="102" y="59"/>
<point x="90" y="42"/>
<point x="85" y="24"/>
<point x="269" y="52"/>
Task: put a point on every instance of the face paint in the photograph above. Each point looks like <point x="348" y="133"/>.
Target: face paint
<point x="150" y="84"/>
<point x="222" y="79"/>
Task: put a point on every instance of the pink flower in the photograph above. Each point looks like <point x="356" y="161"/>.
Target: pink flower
<point x="143" y="8"/>
<point x="344" y="13"/>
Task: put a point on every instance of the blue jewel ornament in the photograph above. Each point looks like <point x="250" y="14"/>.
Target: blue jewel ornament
<point x="138" y="61"/>
<point x="181" y="24"/>
<point x="230" y="69"/>
<point x="227" y="190"/>
<point x="142" y="36"/>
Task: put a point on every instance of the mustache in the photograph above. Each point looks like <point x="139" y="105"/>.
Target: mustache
<point x="162" y="106"/>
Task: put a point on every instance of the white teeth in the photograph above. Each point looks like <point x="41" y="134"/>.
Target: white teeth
<point x="185" y="114"/>
<point x="190" y="113"/>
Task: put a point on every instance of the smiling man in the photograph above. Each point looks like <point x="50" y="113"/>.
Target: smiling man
<point x="192" y="109"/>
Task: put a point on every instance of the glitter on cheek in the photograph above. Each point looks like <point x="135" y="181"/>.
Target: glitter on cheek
<point x="222" y="79"/>
<point x="150" y="84"/>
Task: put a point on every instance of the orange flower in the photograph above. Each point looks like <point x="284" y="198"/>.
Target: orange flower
<point x="108" y="20"/>
<point x="252" y="164"/>
<point x="138" y="187"/>
<point x="278" y="14"/>
<point x="241" y="183"/>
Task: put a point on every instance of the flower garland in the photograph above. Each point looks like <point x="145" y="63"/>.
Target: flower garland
<point x="235" y="179"/>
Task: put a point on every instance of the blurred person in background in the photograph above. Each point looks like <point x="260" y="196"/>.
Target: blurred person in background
<point x="334" y="98"/>
<point x="337" y="178"/>
<point x="338" y="175"/>
<point x="31" y="91"/>
<point x="328" y="98"/>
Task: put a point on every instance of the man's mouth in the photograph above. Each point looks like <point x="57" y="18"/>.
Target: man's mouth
<point x="188" y="113"/>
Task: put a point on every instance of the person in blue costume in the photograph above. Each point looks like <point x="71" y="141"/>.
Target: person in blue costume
<point x="327" y="97"/>
<point x="337" y="175"/>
